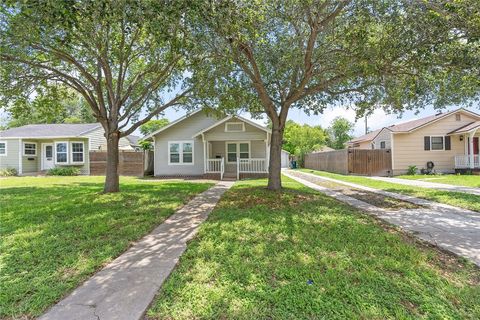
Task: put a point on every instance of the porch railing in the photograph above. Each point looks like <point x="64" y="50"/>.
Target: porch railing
<point x="463" y="162"/>
<point x="215" y="166"/>
<point x="251" y="165"/>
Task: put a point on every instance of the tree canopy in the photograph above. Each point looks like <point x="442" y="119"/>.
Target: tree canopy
<point x="153" y="125"/>
<point x="126" y="58"/>
<point x="271" y="56"/>
<point x="302" y="139"/>
<point x="339" y="133"/>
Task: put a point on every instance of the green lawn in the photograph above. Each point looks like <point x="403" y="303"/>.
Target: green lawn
<point x="298" y="254"/>
<point x="458" y="180"/>
<point x="57" y="231"/>
<point x="459" y="199"/>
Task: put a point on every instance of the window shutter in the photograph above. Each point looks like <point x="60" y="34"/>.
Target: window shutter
<point x="426" y="141"/>
<point x="447" y="143"/>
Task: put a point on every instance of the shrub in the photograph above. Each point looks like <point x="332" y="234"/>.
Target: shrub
<point x="63" y="171"/>
<point x="412" y="170"/>
<point x="8" y="172"/>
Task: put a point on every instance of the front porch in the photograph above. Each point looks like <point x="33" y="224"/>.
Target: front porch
<point x="236" y="159"/>
<point x="470" y="160"/>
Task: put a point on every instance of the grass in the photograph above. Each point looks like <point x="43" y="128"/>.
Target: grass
<point x="457" y="180"/>
<point x="459" y="199"/>
<point x="297" y="254"/>
<point x="57" y="231"/>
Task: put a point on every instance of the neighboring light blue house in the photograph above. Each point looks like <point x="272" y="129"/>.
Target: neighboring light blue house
<point x="39" y="147"/>
<point x="201" y="145"/>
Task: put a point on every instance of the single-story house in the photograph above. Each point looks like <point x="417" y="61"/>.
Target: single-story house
<point x="38" y="147"/>
<point x="201" y="145"/>
<point x="450" y="140"/>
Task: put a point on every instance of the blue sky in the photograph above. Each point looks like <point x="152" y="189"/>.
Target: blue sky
<point x="377" y="120"/>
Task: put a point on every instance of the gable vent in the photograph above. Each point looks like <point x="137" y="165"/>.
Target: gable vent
<point x="234" y="127"/>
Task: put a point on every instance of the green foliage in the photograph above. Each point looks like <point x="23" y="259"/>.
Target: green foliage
<point x="302" y="139"/>
<point x="153" y="125"/>
<point x="8" y="172"/>
<point x="49" y="104"/>
<point x="63" y="171"/>
<point x="58" y="231"/>
<point x="412" y="170"/>
<point x="339" y="133"/>
<point x="146" y="145"/>
<point x="254" y="256"/>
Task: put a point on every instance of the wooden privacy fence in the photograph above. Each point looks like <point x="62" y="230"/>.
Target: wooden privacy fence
<point x="130" y="163"/>
<point x="364" y="162"/>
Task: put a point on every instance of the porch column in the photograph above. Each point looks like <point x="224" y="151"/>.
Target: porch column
<point x="471" y="155"/>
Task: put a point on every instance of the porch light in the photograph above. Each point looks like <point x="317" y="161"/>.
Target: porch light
<point x="461" y="137"/>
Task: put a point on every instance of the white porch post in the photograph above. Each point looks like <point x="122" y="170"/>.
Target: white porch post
<point x="20" y="156"/>
<point x="205" y="164"/>
<point x="471" y="155"/>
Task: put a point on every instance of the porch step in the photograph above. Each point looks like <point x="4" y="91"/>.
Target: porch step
<point x="230" y="176"/>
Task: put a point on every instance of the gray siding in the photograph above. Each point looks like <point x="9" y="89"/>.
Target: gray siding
<point x="98" y="141"/>
<point x="182" y="131"/>
<point x="10" y="160"/>
<point x="250" y="133"/>
<point x="384" y="135"/>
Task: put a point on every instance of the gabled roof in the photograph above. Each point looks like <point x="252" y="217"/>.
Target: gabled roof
<point x="171" y="124"/>
<point x="229" y="118"/>
<point x="366" y="137"/>
<point x="133" y="139"/>
<point x="63" y="130"/>
<point x="469" y="127"/>
<point x="412" y="125"/>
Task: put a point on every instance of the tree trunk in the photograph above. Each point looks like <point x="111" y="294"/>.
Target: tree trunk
<point x="274" y="172"/>
<point x="112" y="183"/>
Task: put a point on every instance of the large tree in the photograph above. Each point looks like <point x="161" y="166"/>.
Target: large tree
<point x="274" y="55"/>
<point x="124" y="57"/>
<point x="339" y="132"/>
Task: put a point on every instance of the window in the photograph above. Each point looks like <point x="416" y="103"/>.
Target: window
<point x="180" y="152"/>
<point x="436" y="143"/>
<point x="3" y="148"/>
<point x="29" y="149"/>
<point x="61" y="152"/>
<point x="237" y="150"/>
<point x="458" y="117"/>
<point x="234" y="127"/>
<point x="77" y="152"/>
<point x="382" y="145"/>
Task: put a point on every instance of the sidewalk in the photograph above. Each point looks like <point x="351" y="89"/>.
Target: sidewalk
<point x="125" y="288"/>
<point x="450" y="228"/>
<point x="430" y="185"/>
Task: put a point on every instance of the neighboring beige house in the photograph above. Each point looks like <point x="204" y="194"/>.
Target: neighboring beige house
<point x="38" y="147"/>
<point x="450" y="140"/>
<point x="201" y="145"/>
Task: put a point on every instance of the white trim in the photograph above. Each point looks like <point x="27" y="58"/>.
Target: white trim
<point x="23" y="149"/>
<point x="43" y="154"/>
<point x="181" y="163"/>
<point x="391" y="152"/>
<point x="6" y="148"/>
<point x="171" y="124"/>
<point x="236" y="122"/>
<point x="237" y="150"/>
<point x="443" y="143"/>
<point x="55" y="152"/>
<point x="20" y="158"/>
<point x="253" y="124"/>
<point x="71" y="152"/>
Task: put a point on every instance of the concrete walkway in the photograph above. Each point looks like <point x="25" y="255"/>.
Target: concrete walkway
<point x="430" y="185"/>
<point x="450" y="228"/>
<point x="125" y="288"/>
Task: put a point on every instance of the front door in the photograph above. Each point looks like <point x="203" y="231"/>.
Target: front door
<point x="475" y="145"/>
<point x="47" y="156"/>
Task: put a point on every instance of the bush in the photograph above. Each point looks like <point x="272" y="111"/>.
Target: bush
<point x="8" y="172"/>
<point x="63" y="171"/>
<point x="412" y="170"/>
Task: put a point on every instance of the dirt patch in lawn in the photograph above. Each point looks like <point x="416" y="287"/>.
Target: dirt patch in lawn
<point x="372" y="198"/>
